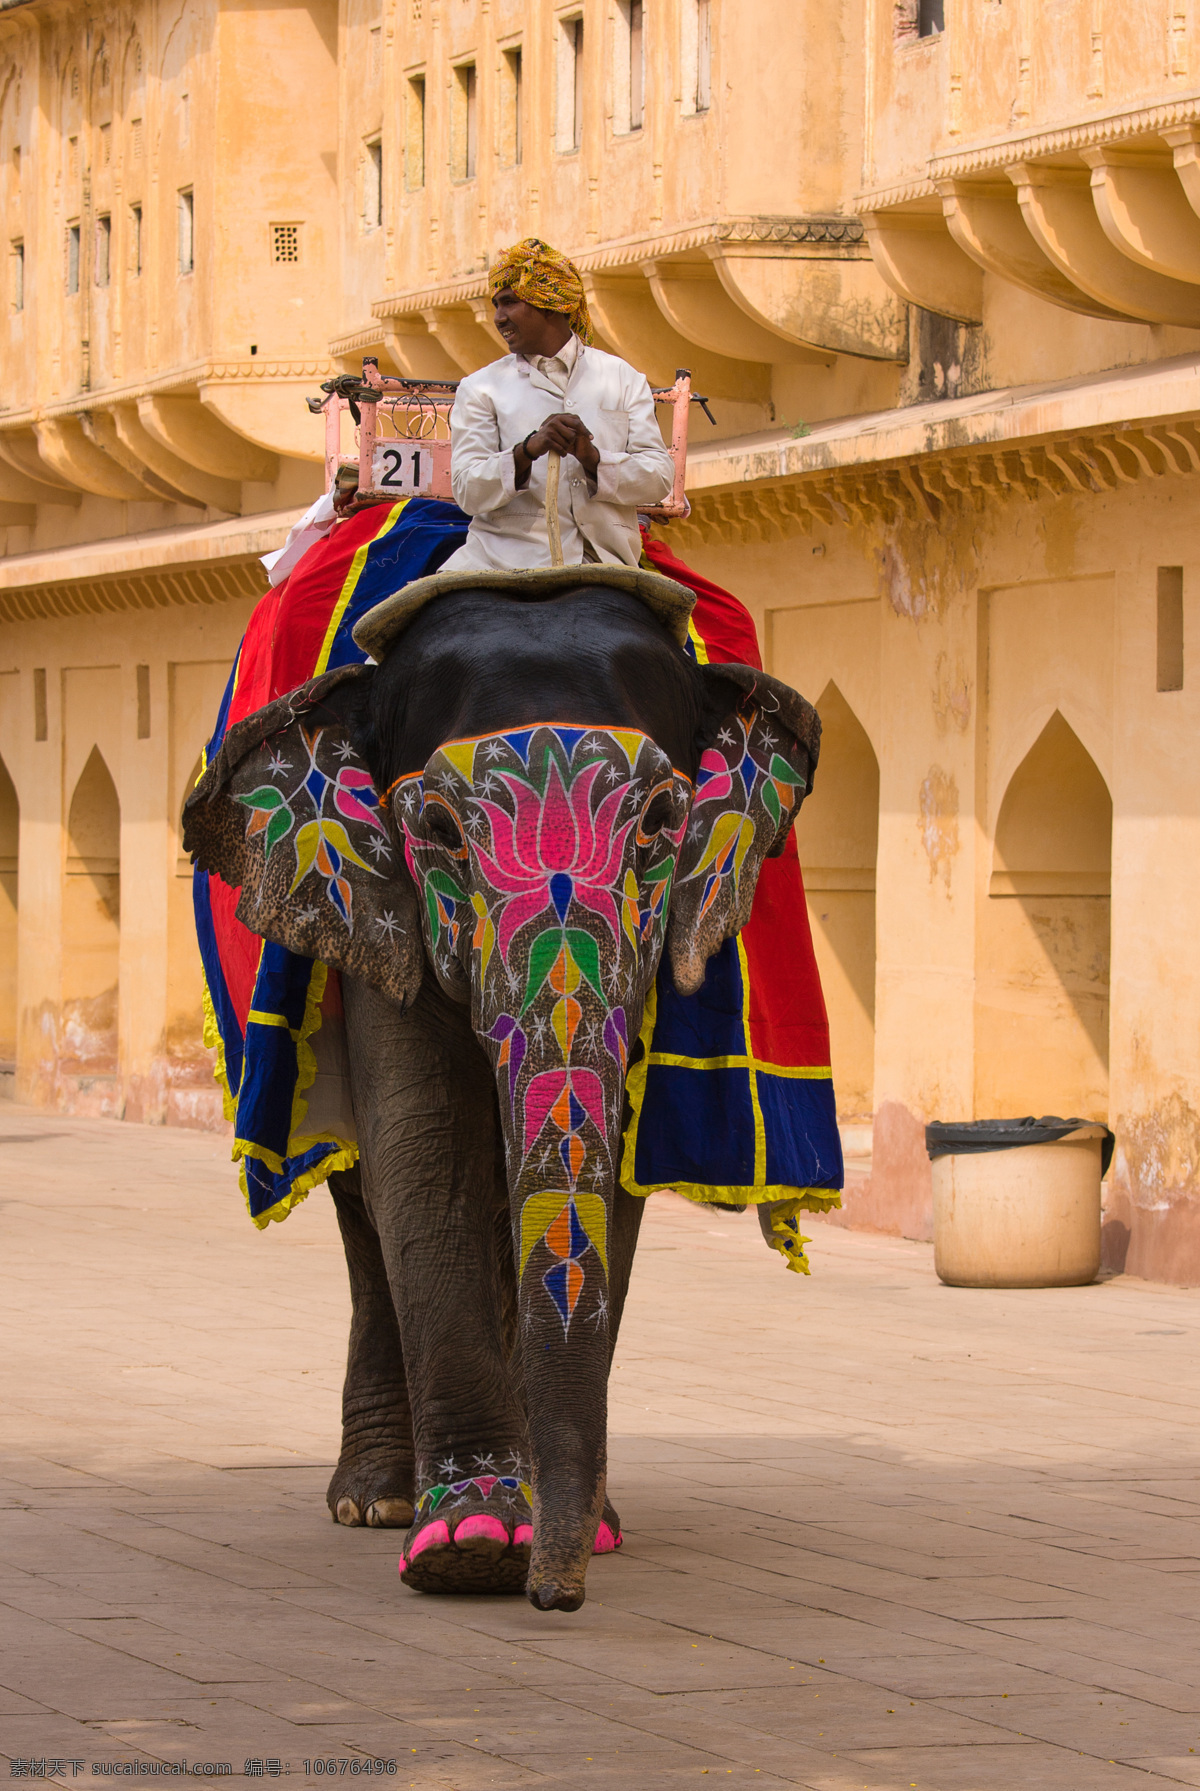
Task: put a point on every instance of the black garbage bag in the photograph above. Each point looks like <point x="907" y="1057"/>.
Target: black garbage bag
<point x="945" y="1139"/>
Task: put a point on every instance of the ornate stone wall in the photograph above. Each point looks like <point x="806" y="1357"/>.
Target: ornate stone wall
<point x="937" y="268"/>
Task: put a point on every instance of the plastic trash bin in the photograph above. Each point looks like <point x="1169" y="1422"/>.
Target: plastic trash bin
<point x="1016" y="1202"/>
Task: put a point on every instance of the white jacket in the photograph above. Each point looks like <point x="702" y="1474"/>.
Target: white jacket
<point x="497" y="407"/>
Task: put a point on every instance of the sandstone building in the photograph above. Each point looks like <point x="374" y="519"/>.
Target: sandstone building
<point x="936" y="264"/>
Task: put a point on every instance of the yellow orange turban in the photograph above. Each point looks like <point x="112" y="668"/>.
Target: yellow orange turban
<point x="543" y="278"/>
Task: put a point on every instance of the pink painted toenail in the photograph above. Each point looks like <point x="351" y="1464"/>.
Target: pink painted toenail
<point x="430" y="1537"/>
<point x="605" y="1541"/>
<point x="481" y="1525"/>
<point x="522" y="1534"/>
<point x="403" y="1562"/>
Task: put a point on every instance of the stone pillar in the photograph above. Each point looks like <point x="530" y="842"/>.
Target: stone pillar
<point x="37" y="774"/>
<point x="1152" y="1215"/>
<point x="927" y="869"/>
<point x="146" y="864"/>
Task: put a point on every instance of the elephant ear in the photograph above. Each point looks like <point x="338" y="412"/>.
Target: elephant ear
<point x="759" y="753"/>
<point x="287" y="813"/>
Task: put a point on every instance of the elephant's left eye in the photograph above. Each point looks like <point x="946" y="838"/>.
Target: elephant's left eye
<point x="442" y="824"/>
<point x="658" y="812"/>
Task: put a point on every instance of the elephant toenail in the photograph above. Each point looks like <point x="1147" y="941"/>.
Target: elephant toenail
<point x="523" y="1536"/>
<point x="348" y="1512"/>
<point x="432" y="1536"/>
<point x="606" y="1542"/>
<point x="389" y="1514"/>
<point x="481" y="1525"/>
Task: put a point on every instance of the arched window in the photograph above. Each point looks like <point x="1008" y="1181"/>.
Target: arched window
<point x="92" y="923"/>
<point x="838" y="837"/>
<point x="1043" y="971"/>
<point x="10" y="827"/>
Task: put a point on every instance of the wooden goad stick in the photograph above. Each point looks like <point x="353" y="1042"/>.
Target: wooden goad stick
<point x="553" y="463"/>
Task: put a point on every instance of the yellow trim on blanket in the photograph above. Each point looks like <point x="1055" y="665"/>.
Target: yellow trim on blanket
<point x="351" y="583"/>
<point x="809" y="1200"/>
<point x="739" y="1061"/>
<point x="214" y="1042"/>
<point x="299" y="1141"/>
<point x="259" y="1018"/>
<point x="345" y="1155"/>
<point x="760" y="1130"/>
<point x="788" y="1201"/>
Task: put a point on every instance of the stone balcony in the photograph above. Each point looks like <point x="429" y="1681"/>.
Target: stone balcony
<point x="731" y="296"/>
<point x="1100" y="217"/>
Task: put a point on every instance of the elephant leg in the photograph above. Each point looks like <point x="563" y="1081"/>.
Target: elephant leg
<point x="373" y="1481"/>
<point x="626" y="1223"/>
<point x="434" y="1183"/>
<point x="623" y="1237"/>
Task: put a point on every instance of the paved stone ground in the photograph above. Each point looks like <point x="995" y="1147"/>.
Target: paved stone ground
<point x="879" y="1533"/>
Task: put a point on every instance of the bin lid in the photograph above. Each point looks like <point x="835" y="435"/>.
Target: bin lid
<point x="965" y="1138"/>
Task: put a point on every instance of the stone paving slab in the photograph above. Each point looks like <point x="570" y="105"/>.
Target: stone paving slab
<point x="880" y="1533"/>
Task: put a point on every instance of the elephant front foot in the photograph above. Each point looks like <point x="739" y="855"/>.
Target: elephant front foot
<point x="374" y="1495"/>
<point x="608" y="1532"/>
<point x="471" y="1536"/>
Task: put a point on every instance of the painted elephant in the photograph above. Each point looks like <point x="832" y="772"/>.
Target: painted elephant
<point x="493" y="834"/>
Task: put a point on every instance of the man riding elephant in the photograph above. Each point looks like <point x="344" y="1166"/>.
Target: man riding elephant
<point x="553" y="392"/>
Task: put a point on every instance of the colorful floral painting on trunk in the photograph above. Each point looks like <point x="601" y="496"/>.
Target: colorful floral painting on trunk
<point x="548" y="853"/>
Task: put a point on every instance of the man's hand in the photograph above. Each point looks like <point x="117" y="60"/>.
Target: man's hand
<point x="566" y="434"/>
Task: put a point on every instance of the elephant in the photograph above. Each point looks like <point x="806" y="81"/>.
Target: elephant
<point x="493" y="834"/>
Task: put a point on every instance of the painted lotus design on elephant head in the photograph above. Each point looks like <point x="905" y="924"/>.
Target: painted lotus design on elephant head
<point x="545" y="858"/>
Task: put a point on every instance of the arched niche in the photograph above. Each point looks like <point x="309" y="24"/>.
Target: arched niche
<point x="92" y="922"/>
<point x="1043" y="972"/>
<point x="1054" y="830"/>
<point x="10" y="831"/>
<point x="838" y="837"/>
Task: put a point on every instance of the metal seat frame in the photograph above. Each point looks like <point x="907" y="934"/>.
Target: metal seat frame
<point x="384" y="409"/>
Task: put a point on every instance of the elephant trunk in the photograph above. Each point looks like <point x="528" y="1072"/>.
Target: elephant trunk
<point x="564" y="1139"/>
<point x="567" y="1385"/>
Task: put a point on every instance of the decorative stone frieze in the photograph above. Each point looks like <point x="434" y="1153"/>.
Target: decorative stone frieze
<point x="223" y="582"/>
<point x="933" y="488"/>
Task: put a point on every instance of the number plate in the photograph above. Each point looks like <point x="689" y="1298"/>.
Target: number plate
<point x="402" y="468"/>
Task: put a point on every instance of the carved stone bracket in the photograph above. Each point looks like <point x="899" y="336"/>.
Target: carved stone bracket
<point x="190" y="436"/>
<point x="26" y="477"/>
<point x="1098" y="218"/>
<point x="405" y="347"/>
<point x="75" y="456"/>
<point x="922" y="262"/>
<point x="765" y="289"/>
<point x="189" y="430"/>
<point x="624" y="311"/>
